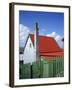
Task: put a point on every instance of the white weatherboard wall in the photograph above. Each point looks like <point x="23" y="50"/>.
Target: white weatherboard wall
<point x="29" y="52"/>
<point x="4" y="45"/>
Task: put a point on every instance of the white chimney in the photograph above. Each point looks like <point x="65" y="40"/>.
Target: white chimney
<point x="36" y="41"/>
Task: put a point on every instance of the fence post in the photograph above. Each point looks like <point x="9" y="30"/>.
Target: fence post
<point x="31" y="71"/>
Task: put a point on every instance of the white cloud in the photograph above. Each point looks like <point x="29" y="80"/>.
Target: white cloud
<point x="57" y="37"/>
<point x="53" y="34"/>
<point x="24" y="31"/>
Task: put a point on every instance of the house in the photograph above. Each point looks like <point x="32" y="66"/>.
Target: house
<point x="38" y="46"/>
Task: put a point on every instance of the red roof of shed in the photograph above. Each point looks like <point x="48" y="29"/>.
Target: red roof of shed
<point x="48" y="46"/>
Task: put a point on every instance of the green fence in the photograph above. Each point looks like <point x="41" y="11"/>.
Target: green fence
<point x="43" y="69"/>
<point x="25" y="71"/>
<point x="36" y="70"/>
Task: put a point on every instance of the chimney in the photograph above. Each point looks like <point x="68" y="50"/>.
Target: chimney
<point x="36" y="41"/>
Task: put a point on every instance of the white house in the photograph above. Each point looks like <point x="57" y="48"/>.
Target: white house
<point x="37" y="46"/>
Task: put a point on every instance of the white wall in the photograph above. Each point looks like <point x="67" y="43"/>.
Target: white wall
<point x="29" y="54"/>
<point x="20" y="57"/>
<point x="4" y="44"/>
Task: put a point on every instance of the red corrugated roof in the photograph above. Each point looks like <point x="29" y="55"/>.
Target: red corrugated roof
<point x="48" y="46"/>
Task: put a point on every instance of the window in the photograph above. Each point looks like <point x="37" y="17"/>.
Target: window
<point x="30" y="45"/>
<point x="21" y="62"/>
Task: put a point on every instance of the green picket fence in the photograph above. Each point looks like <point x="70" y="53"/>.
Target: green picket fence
<point x="43" y="69"/>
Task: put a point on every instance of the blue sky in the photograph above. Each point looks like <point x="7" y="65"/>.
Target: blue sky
<point x="50" y="24"/>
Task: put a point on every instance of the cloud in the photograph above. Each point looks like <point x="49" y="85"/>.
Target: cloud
<point x="24" y="31"/>
<point x="53" y="34"/>
<point x="57" y="37"/>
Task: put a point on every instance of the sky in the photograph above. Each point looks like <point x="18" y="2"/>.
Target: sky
<point x="49" y="23"/>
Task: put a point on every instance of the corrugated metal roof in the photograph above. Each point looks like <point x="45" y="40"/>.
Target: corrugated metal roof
<point x="48" y="46"/>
